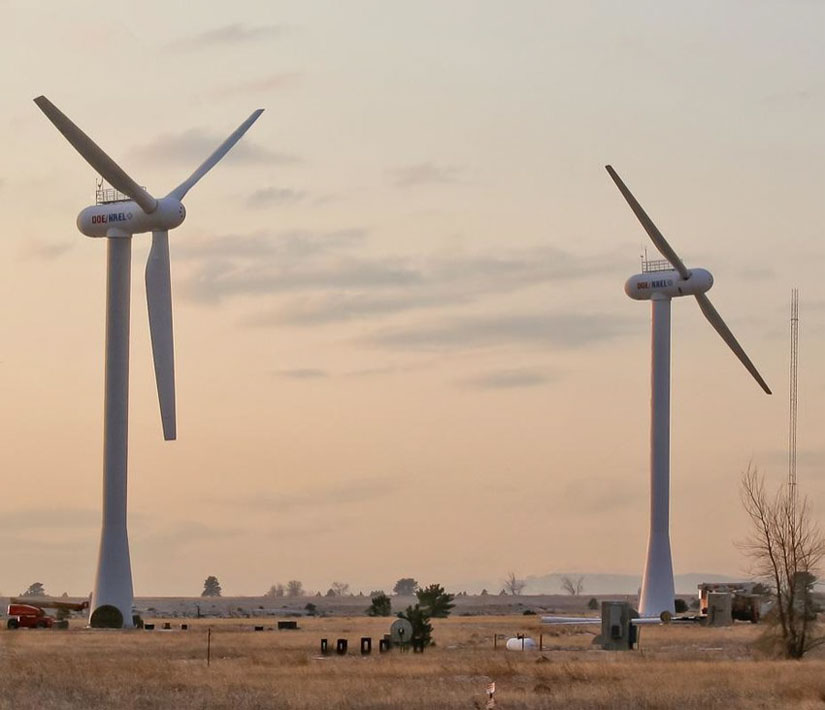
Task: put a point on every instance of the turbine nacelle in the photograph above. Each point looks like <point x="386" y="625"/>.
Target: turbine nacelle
<point x="129" y="218"/>
<point x="667" y="284"/>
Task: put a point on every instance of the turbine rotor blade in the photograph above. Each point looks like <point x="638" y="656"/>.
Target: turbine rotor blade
<point x="180" y="191"/>
<point x="94" y="155"/>
<point x="655" y="235"/>
<point x="719" y="325"/>
<point x="159" y="301"/>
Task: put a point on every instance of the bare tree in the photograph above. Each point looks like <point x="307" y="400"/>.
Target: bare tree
<point x="276" y="590"/>
<point x="294" y="588"/>
<point x="787" y="548"/>
<point x="513" y="585"/>
<point x="340" y="589"/>
<point x="574" y="587"/>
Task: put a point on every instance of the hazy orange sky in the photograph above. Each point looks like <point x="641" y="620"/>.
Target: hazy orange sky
<point x="402" y="342"/>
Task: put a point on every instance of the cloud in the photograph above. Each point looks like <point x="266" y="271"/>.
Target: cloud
<point x="758" y="273"/>
<point x="569" y="330"/>
<point x="816" y="306"/>
<point x="217" y="279"/>
<point x="506" y="379"/>
<point x="230" y="35"/>
<point x="294" y="246"/>
<point x="46" y="251"/>
<point x="172" y="536"/>
<point x="812" y="458"/>
<point x="274" y="196"/>
<point x="49" y="518"/>
<point x="335" y="308"/>
<point x="338" y="494"/>
<point x="381" y="370"/>
<point x="800" y="95"/>
<point x="327" y="284"/>
<point x="191" y="147"/>
<point x="273" y="82"/>
<point x="317" y="373"/>
<point x="598" y="495"/>
<point x="424" y="174"/>
<point x="307" y="373"/>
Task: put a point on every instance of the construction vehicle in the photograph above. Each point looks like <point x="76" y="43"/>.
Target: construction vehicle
<point x="749" y="600"/>
<point x="29" y="613"/>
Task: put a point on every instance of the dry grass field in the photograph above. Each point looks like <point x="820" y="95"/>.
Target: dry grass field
<point x="677" y="667"/>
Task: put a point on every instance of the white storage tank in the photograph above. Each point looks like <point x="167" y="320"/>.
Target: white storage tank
<point x="521" y="644"/>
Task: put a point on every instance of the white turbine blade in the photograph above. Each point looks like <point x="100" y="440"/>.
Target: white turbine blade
<point x="159" y="301"/>
<point x="719" y="325"/>
<point x="109" y="170"/>
<point x="652" y="230"/>
<point x="180" y="191"/>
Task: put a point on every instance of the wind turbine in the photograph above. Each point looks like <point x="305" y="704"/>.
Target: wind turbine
<point x="659" y="282"/>
<point x="119" y="213"/>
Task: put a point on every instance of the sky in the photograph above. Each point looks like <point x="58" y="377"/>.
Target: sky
<point x="402" y="342"/>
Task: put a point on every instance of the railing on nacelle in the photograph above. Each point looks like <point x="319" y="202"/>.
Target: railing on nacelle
<point x="651" y="265"/>
<point x="105" y="195"/>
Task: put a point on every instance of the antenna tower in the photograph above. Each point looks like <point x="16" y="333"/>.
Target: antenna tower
<point x="793" y="392"/>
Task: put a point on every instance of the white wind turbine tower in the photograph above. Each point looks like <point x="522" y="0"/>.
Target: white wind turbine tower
<point x="660" y="282"/>
<point x="119" y="213"/>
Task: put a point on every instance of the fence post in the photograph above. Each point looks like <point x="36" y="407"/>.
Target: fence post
<point x="208" y="646"/>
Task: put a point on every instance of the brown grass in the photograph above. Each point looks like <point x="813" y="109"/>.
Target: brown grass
<point x="677" y="667"/>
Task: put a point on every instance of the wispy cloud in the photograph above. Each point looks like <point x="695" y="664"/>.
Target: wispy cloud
<point x="558" y="329"/>
<point x="806" y="457"/>
<point x="217" y="281"/>
<point x="799" y="95"/>
<point x="326" y="282"/>
<point x="303" y="373"/>
<point x="229" y="35"/>
<point x="596" y="495"/>
<point x="274" y="196"/>
<point x="179" y="534"/>
<point x="46" y="251"/>
<point x="311" y="373"/>
<point x="758" y="273"/>
<point x="339" y="494"/>
<point x="193" y="146"/>
<point x="425" y="174"/>
<point x="265" y="85"/>
<point x="292" y="247"/>
<point x="49" y="518"/>
<point x="334" y="308"/>
<point x="507" y="379"/>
